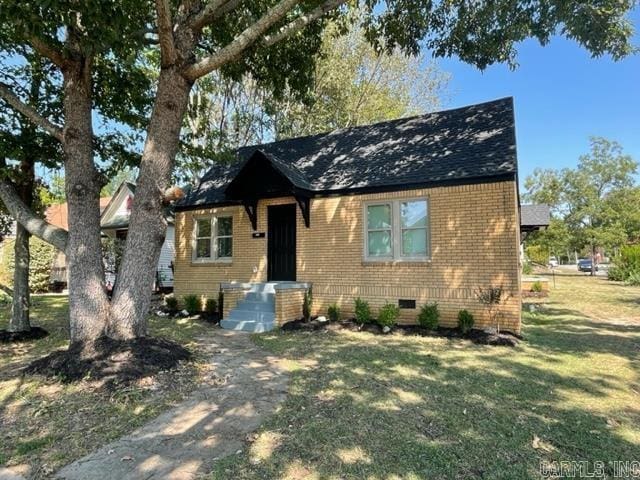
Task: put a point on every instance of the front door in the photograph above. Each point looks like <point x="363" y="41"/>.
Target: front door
<point x="281" y="243"/>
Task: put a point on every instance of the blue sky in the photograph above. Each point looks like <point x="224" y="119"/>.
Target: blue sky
<point x="562" y="96"/>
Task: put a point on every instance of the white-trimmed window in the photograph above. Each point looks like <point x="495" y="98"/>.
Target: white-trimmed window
<point x="397" y="230"/>
<point x="213" y="238"/>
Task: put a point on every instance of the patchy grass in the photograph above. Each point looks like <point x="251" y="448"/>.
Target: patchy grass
<point x="46" y="424"/>
<point x="377" y="407"/>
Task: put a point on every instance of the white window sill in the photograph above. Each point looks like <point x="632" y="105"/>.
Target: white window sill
<point x="396" y="261"/>
<point x="208" y="261"/>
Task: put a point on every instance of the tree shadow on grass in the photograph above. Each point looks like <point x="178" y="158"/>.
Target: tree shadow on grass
<point x="409" y="408"/>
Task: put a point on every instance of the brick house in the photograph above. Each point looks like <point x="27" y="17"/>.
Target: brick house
<point x="410" y="211"/>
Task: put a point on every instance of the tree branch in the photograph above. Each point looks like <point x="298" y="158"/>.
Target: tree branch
<point x="165" y="33"/>
<point x="302" y="21"/>
<point x="45" y="49"/>
<point x="35" y="225"/>
<point x="247" y="38"/>
<point x="210" y="12"/>
<point x="8" y="96"/>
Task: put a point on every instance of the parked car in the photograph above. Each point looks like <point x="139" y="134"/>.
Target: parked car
<point x="584" y="265"/>
<point x="553" y="262"/>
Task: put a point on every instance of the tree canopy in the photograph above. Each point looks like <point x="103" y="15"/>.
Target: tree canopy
<point x="595" y="204"/>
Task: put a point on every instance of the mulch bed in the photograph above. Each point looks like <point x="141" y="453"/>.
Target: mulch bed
<point x="529" y="294"/>
<point x="112" y="362"/>
<point x="34" y="333"/>
<point x="476" y="336"/>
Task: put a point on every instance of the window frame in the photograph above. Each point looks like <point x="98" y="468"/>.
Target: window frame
<point x="396" y="231"/>
<point x="213" y="239"/>
<point x="367" y="229"/>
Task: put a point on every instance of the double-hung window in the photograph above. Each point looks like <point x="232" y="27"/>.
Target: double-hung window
<point x="397" y="230"/>
<point x="213" y="239"/>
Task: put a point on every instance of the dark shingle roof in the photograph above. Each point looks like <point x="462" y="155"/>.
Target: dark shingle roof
<point x="468" y="144"/>
<point x="534" y="215"/>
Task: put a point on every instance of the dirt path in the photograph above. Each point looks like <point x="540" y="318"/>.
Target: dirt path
<point x="184" y="442"/>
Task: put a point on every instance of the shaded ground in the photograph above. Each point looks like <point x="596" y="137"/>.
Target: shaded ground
<point x="114" y="363"/>
<point x="46" y="423"/>
<point x="212" y="423"/>
<point x="387" y="407"/>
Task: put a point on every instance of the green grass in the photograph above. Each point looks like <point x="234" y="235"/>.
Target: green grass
<point x="377" y="407"/>
<point x="49" y="422"/>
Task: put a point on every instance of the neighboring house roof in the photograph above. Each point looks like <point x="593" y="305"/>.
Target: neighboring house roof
<point x="116" y="214"/>
<point x="58" y="214"/>
<point x="464" y="145"/>
<point x="534" y="217"/>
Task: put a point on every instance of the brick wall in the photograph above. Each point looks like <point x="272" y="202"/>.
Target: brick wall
<point x="474" y="243"/>
<point x="289" y="305"/>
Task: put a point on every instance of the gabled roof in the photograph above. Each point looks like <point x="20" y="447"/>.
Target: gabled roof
<point x="255" y="165"/>
<point x="465" y="145"/>
<point x="111" y="219"/>
<point x="533" y="217"/>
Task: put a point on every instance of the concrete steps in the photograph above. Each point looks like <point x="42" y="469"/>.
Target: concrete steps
<point x="256" y="312"/>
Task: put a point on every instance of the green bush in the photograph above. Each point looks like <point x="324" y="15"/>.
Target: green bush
<point x="192" y="303"/>
<point x="429" y="316"/>
<point x="465" y="321"/>
<point x="210" y="306"/>
<point x="536" y="286"/>
<point x="363" y="311"/>
<point x="42" y="255"/>
<point x="527" y="269"/>
<point x="634" y="279"/>
<point x="171" y="302"/>
<point x="626" y="265"/>
<point x="537" y="254"/>
<point x="307" y="303"/>
<point x="388" y="315"/>
<point x="333" y="312"/>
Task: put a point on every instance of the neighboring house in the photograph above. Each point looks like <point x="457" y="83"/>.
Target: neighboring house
<point x="532" y="218"/>
<point x="114" y="222"/>
<point x="416" y="210"/>
<point x="57" y="215"/>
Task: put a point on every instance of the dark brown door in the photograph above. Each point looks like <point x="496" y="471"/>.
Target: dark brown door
<point x="281" y="243"/>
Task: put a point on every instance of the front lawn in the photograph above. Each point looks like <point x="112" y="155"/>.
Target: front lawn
<point x="365" y="406"/>
<point x="45" y="424"/>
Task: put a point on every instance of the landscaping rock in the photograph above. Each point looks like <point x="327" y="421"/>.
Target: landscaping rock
<point x="386" y="329"/>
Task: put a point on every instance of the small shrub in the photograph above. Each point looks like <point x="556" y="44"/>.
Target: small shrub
<point x="388" y="315"/>
<point x="307" y="304"/>
<point x="536" y="286"/>
<point x="429" y="316"/>
<point x="626" y="265"/>
<point x="210" y="306"/>
<point x="527" y="269"/>
<point x="363" y="311"/>
<point x="465" y="321"/>
<point x="491" y="298"/>
<point x="192" y="303"/>
<point x="333" y="312"/>
<point x="171" y="302"/>
<point x="634" y="279"/>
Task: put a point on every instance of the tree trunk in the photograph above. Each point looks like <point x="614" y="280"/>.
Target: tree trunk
<point x="88" y="303"/>
<point x="147" y="225"/>
<point x="20" y="306"/>
<point x="593" y="260"/>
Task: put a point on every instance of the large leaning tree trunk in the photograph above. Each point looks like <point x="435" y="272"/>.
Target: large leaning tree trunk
<point x="21" y="301"/>
<point x="147" y="225"/>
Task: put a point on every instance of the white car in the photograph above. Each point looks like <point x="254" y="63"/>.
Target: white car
<point x="553" y="262"/>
